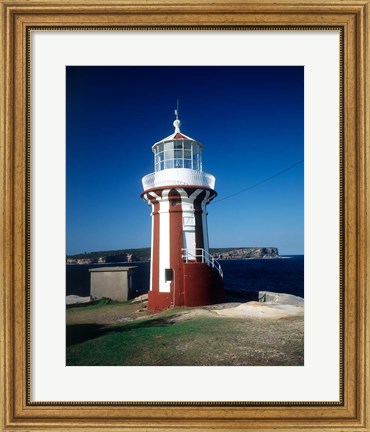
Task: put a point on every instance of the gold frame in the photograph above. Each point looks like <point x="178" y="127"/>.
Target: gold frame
<point x="17" y="412"/>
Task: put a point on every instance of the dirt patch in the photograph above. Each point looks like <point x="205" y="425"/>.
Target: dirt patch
<point x="261" y="311"/>
<point x="192" y="313"/>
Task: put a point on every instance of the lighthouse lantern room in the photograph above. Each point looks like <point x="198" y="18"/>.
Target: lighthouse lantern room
<point x="183" y="273"/>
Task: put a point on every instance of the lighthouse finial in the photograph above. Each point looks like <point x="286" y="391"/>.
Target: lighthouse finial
<point x="177" y="122"/>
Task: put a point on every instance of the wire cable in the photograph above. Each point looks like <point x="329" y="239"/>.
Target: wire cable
<point x="260" y="182"/>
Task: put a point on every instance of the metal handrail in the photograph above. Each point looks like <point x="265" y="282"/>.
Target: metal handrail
<point x="206" y="258"/>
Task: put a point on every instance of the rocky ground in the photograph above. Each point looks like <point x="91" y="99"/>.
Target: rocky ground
<point x="270" y="306"/>
<point x="269" y="332"/>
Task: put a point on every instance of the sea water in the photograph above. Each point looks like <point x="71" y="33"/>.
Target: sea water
<point x="241" y="277"/>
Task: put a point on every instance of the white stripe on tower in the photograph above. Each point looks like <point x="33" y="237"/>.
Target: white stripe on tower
<point x="182" y="193"/>
<point x="204" y="221"/>
<point x="164" y="240"/>
<point x="152" y="239"/>
<point x="195" y="194"/>
<point x="188" y="223"/>
<point x="152" y="251"/>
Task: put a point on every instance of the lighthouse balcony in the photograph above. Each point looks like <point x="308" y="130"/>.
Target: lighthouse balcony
<point x="178" y="176"/>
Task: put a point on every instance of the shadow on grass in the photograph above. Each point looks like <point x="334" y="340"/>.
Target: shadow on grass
<point x="93" y="304"/>
<point x="79" y="333"/>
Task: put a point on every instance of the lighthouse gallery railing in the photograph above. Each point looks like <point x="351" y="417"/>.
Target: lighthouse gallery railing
<point x="204" y="255"/>
<point x="178" y="176"/>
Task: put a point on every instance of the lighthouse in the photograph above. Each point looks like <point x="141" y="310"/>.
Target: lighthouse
<point x="182" y="273"/>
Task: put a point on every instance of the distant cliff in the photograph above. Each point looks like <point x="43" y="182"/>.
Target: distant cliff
<point x="143" y="254"/>
<point x="247" y="253"/>
<point x="112" y="256"/>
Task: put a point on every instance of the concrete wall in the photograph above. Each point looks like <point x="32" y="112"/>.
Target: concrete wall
<point x="114" y="283"/>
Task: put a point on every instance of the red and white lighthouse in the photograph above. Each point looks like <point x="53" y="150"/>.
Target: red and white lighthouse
<point x="182" y="273"/>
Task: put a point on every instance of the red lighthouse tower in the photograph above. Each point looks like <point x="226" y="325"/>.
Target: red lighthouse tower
<point x="182" y="273"/>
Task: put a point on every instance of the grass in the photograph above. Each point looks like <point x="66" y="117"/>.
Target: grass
<point x="162" y="339"/>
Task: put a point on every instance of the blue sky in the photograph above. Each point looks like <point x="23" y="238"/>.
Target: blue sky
<point x="249" y="119"/>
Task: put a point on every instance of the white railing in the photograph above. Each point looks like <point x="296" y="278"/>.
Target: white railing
<point x="193" y="254"/>
<point x="178" y="176"/>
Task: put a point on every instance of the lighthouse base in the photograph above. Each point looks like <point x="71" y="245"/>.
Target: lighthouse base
<point x="158" y="301"/>
<point x="201" y="285"/>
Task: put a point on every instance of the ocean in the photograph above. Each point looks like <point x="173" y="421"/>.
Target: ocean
<point x="242" y="278"/>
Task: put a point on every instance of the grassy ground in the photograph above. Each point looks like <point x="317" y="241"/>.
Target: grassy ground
<point x="117" y="334"/>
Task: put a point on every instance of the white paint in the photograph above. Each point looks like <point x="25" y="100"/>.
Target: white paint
<point x="205" y="222"/>
<point x="164" y="240"/>
<point x="151" y="251"/>
<point x="152" y="239"/>
<point x="188" y="223"/>
<point x="318" y="380"/>
<point x="193" y="196"/>
<point x="145" y="197"/>
<point x="182" y="193"/>
<point x="189" y="243"/>
<point x="178" y="176"/>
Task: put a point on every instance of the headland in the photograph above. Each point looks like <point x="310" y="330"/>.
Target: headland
<point x="143" y="254"/>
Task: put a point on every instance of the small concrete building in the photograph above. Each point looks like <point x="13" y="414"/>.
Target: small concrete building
<point x="114" y="283"/>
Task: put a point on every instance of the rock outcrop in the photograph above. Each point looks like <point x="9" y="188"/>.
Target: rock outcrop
<point x="74" y="299"/>
<point x="270" y="305"/>
<point x="251" y="252"/>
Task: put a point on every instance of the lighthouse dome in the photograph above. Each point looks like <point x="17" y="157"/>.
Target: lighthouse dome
<point x="178" y="160"/>
<point x="177" y="151"/>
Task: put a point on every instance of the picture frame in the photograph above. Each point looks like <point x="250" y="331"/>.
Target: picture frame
<point x="18" y="412"/>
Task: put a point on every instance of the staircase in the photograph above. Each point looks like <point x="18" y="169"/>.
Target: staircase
<point x="200" y="254"/>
